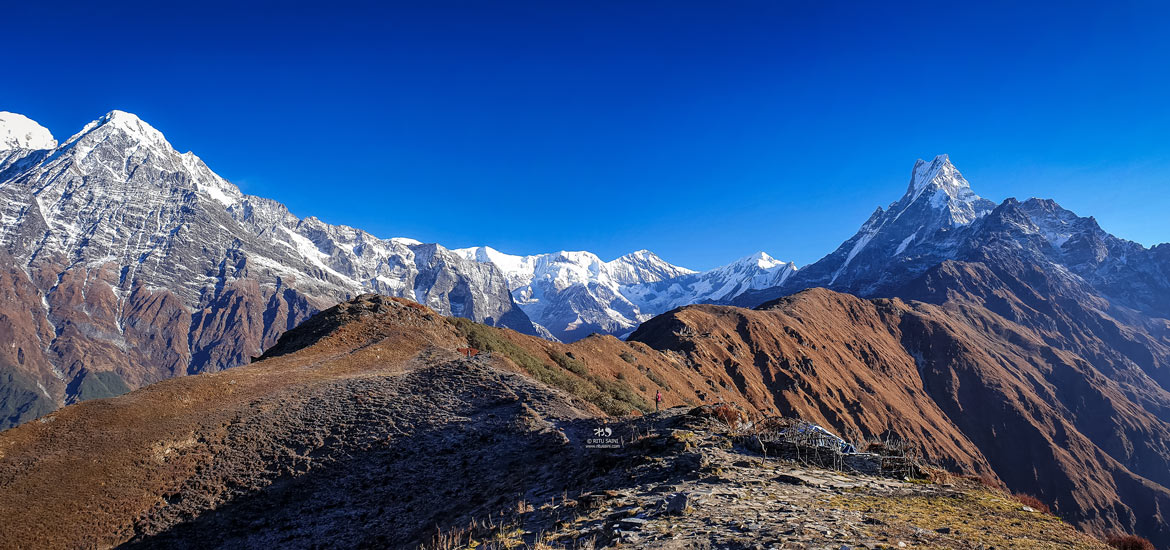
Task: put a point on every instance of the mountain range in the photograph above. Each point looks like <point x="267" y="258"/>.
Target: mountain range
<point x="575" y="294"/>
<point x="128" y="262"/>
<point x="1017" y="340"/>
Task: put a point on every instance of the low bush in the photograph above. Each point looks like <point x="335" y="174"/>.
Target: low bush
<point x="1129" y="542"/>
<point x="1032" y="502"/>
<point x="729" y="415"/>
<point x="657" y="379"/>
<point x="569" y="363"/>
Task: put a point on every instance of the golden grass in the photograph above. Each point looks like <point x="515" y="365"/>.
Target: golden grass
<point x="976" y="516"/>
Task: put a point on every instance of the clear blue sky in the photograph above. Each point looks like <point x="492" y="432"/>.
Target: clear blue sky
<point x="701" y="130"/>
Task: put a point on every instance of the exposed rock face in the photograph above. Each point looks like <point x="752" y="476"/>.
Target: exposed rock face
<point x="128" y="258"/>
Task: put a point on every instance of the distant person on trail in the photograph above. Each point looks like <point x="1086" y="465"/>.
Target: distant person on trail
<point x="657" y="399"/>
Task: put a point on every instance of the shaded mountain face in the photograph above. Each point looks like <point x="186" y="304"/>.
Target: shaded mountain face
<point x="575" y="294"/>
<point x="127" y="263"/>
<point x="364" y="426"/>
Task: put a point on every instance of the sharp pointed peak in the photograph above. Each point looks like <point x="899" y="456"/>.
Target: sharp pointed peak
<point x="937" y="160"/>
<point x="940" y="174"/>
<point x="925" y="173"/>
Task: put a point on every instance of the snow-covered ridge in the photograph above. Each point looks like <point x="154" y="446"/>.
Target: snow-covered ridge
<point x="566" y="268"/>
<point x="20" y="132"/>
<point x="575" y="293"/>
<point x="117" y="193"/>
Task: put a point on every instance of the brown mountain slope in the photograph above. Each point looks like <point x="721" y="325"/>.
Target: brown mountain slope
<point x="83" y="341"/>
<point x="363" y="427"/>
<point x="990" y="392"/>
<point x="827" y="357"/>
<point x="377" y="398"/>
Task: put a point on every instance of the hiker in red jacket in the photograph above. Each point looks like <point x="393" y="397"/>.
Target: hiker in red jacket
<point x="657" y="399"/>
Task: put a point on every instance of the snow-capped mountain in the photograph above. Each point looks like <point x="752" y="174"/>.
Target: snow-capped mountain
<point x="940" y="218"/>
<point x="717" y="286"/>
<point x="141" y="263"/>
<point x="915" y="231"/>
<point x="574" y="294"/>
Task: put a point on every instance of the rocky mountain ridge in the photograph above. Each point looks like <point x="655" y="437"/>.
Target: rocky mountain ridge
<point x="940" y="218"/>
<point x="135" y="263"/>
<point x="138" y="263"/>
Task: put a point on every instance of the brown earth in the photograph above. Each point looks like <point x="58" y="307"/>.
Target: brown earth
<point x="364" y="425"/>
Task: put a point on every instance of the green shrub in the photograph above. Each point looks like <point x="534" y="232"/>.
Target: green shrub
<point x="568" y="363"/>
<point x="657" y="379"/>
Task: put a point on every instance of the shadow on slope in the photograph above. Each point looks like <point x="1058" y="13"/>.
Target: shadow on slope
<point x="375" y="462"/>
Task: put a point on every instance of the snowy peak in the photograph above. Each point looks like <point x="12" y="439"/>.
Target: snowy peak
<point x="940" y="172"/>
<point x="119" y="140"/>
<point x="20" y="132"/>
<point x="760" y="260"/>
<point x="518" y="270"/>
<point x="939" y="185"/>
<point x="571" y="267"/>
<point x="643" y="266"/>
<point x="125" y="123"/>
<point x="923" y="223"/>
<point x="575" y="293"/>
<point x="720" y="285"/>
<point x="754" y="272"/>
